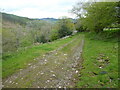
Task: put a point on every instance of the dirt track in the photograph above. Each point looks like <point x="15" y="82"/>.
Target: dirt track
<point x="55" y="69"/>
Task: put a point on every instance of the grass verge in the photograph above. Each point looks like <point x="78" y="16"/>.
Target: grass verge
<point x="100" y="61"/>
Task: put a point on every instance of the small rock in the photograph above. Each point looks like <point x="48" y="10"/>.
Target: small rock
<point x="77" y="58"/>
<point x="13" y="82"/>
<point x="59" y="87"/>
<point x="67" y="77"/>
<point x="48" y="80"/>
<point x="29" y="64"/>
<point x="100" y="60"/>
<point x="45" y="60"/>
<point x="51" y="71"/>
<point x="65" y="54"/>
<point x="10" y="81"/>
<point x="54" y="75"/>
<point x="55" y="62"/>
<point x="76" y="71"/>
<point x="2" y="85"/>
<point x="42" y="73"/>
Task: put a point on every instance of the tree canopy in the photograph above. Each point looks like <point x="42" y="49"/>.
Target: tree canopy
<point x="97" y="15"/>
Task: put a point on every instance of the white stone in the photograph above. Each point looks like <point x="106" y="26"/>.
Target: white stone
<point x="29" y="64"/>
<point x="76" y="71"/>
<point x="48" y="80"/>
<point x="53" y="75"/>
<point x="65" y="54"/>
<point x="42" y="73"/>
<point x="10" y="82"/>
<point x="59" y="87"/>
<point x="45" y="60"/>
<point x="51" y="71"/>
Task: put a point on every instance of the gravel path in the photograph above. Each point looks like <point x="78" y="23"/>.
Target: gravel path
<point x="55" y="69"/>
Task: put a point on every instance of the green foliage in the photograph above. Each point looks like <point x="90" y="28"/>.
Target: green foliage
<point x="54" y="35"/>
<point x="8" y="41"/>
<point x="22" y="32"/>
<point x="43" y="39"/>
<point x="100" y="15"/>
<point x="17" y="34"/>
<point x="65" y="27"/>
<point x="97" y="15"/>
<point x="79" y="26"/>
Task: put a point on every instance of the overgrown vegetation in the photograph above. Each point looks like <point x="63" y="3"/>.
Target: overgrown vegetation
<point x="20" y="32"/>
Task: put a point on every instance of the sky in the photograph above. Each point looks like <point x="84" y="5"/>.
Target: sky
<point x="38" y="8"/>
<point x="41" y="8"/>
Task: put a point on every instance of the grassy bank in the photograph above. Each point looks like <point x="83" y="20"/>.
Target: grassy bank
<point x="100" y="61"/>
<point x="20" y="59"/>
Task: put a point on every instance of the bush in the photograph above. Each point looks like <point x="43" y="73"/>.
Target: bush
<point x="54" y="36"/>
<point x="42" y="39"/>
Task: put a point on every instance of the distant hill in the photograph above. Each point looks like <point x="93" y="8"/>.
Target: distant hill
<point x="22" y="20"/>
<point x="53" y="19"/>
<point x="14" y="19"/>
<point x="49" y="19"/>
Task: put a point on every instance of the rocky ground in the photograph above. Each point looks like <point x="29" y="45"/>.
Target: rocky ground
<point x="55" y="69"/>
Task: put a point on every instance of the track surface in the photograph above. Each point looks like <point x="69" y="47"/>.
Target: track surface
<point x="55" y="69"/>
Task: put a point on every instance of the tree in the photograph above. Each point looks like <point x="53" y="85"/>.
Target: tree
<point x="79" y="26"/>
<point x="65" y="27"/>
<point x="98" y="15"/>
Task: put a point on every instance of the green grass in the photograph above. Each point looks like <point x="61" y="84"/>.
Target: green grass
<point x="100" y="61"/>
<point x="19" y="60"/>
<point x="70" y="47"/>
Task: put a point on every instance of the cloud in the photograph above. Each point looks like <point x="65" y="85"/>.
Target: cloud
<point x="38" y="8"/>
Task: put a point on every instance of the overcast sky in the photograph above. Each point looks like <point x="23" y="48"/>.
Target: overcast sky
<point x="38" y="8"/>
